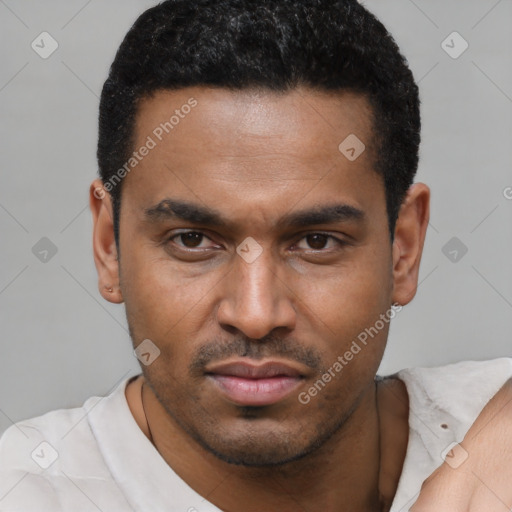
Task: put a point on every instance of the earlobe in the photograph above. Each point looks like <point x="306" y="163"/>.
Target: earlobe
<point x="104" y="244"/>
<point x="410" y="232"/>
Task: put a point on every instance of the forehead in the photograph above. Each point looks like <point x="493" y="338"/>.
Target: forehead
<point x="220" y="145"/>
<point x="247" y="119"/>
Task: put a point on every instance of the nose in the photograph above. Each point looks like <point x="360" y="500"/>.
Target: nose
<point x="255" y="299"/>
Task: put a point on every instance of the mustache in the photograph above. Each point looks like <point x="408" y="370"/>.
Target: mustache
<point x="267" y="347"/>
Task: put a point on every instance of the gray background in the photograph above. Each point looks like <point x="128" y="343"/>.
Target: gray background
<point x="61" y="342"/>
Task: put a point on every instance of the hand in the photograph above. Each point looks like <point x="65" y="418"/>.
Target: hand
<point x="483" y="482"/>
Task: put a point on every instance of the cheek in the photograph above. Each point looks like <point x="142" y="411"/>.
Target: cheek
<point x="164" y="303"/>
<point x="346" y="299"/>
<point x="347" y="306"/>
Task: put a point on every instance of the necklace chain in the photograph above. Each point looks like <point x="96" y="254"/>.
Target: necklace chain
<point x="145" y="415"/>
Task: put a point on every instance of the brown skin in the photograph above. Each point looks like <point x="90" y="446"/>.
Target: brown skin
<point x="254" y="158"/>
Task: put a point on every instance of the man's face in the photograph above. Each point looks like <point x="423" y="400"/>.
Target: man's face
<point x="244" y="334"/>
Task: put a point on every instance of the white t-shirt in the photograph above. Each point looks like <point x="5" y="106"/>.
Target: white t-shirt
<point x="96" y="458"/>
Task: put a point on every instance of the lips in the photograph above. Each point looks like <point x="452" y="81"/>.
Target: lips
<point x="255" y="385"/>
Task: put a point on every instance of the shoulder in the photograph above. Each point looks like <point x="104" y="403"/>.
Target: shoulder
<point x="443" y="404"/>
<point x="445" y="401"/>
<point x="27" y="492"/>
<point x="462" y="389"/>
<point x="43" y="458"/>
<point x="27" y="433"/>
<point x="34" y="443"/>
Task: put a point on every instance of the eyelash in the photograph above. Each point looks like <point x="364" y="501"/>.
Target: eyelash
<point x="340" y="243"/>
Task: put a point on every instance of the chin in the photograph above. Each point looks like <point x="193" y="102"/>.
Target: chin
<point x="265" y="447"/>
<point x="261" y="457"/>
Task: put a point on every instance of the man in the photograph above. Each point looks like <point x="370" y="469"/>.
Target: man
<point x="257" y="216"/>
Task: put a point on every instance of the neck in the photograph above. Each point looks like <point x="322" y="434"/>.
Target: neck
<point x="343" y="474"/>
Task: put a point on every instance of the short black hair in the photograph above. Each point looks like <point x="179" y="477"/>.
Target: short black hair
<point x="327" y="45"/>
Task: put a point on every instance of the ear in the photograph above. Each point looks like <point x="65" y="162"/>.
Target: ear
<point x="104" y="244"/>
<point x="410" y="231"/>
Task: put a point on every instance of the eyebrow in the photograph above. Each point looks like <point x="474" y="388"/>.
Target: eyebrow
<point x="168" y="209"/>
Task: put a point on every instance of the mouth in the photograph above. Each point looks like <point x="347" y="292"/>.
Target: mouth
<point x="249" y="384"/>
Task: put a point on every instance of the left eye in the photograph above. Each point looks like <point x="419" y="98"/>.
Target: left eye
<point x="190" y="240"/>
<point x="317" y="242"/>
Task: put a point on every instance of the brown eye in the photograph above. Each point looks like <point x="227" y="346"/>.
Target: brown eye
<point x="317" y="241"/>
<point x="320" y="242"/>
<point x="189" y="239"/>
